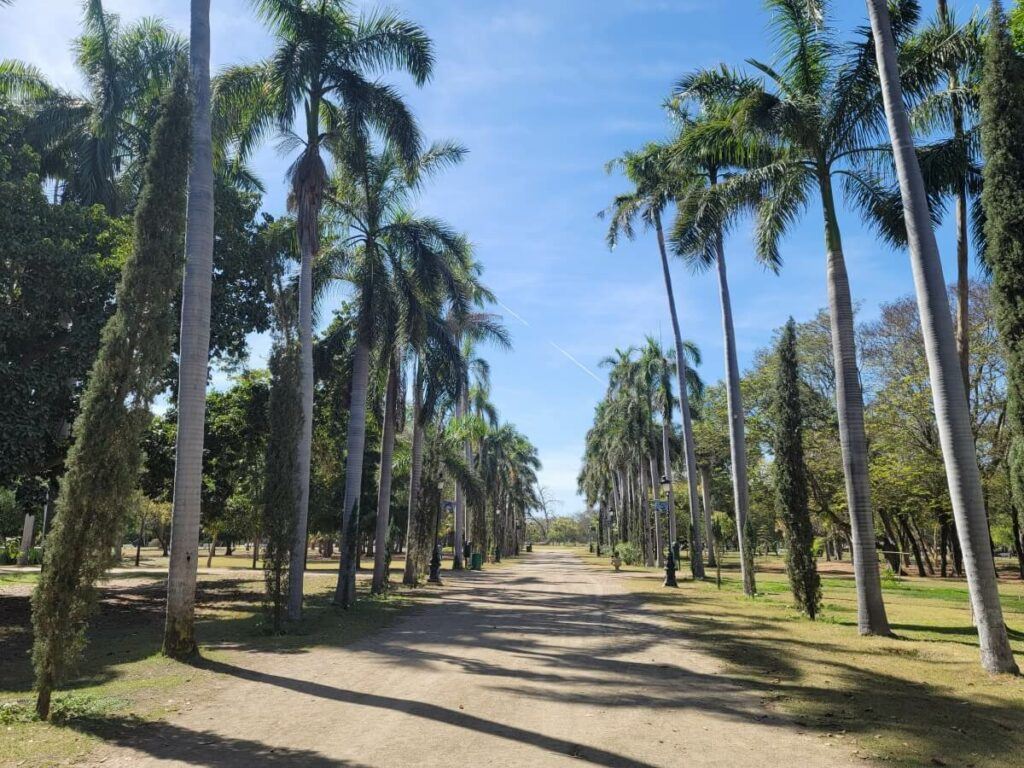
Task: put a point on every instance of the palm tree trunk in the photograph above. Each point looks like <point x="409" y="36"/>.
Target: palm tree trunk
<point x="194" y="352"/>
<point x="460" y="497"/>
<point x="696" y="563"/>
<point x="737" y="427"/>
<point x="345" y="593"/>
<point x="963" y="280"/>
<point x="655" y="485"/>
<point x="871" y="616"/>
<point x="387" y="449"/>
<point x="413" y="534"/>
<point x="673" y="535"/>
<point x="705" y="487"/>
<point x="949" y="397"/>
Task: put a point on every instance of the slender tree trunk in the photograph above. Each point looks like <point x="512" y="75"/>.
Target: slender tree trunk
<point x="963" y="279"/>
<point x="655" y="485"/>
<point x="871" y="616"/>
<point x="696" y="563"/>
<point x="737" y="426"/>
<point x="413" y="535"/>
<point x="345" y="593"/>
<point x="460" y="496"/>
<point x="387" y="447"/>
<point x="948" y="394"/>
<point x="138" y="544"/>
<point x="27" y="537"/>
<point x="673" y="535"/>
<point x="1018" y="541"/>
<point x="212" y="551"/>
<point x="705" y="486"/>
<point x="193" y="359"/>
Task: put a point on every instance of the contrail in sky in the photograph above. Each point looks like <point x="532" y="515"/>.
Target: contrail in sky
<point x="569" y="357"/>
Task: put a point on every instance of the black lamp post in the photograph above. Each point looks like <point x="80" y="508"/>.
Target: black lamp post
<point x="673" y="548"/>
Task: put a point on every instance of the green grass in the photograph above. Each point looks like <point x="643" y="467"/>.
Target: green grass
<point x="918" y="699"/>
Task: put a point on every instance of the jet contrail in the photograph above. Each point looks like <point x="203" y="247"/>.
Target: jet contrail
<point x="572" y="359"/>
<point x="512" y="312"/>
<point x="580" y="365"/>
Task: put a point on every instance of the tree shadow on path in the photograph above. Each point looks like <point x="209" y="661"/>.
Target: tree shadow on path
<point x="167" y="741"/>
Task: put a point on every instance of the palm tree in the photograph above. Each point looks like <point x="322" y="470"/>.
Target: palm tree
<point x="397" y="259"/>
<point x="320" y="65"/>
<point x="658" y="371"/>
<point x="706" y="149"/>
<point x="948" y="394"/>
<point x="94" y="146"/>
<point x="471" y="330"/>
<point x="819" y="109"/>
<point x="179" y="625"/>
<point x="955" y="50"/>
<point x="654" y="189"/>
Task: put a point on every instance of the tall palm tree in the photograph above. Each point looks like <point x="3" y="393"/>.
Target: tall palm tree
<point x="179" y="625"/>
<point x="819" y="108"/>
<point x="706" y="149"/>
<point x="948" y="394"/>
<point x="654" y="189"/>
<point x="318" y="76"/>
<point x="398" y="259"/>
<point x="957" y="49"/>
<point x="93" y="146"/>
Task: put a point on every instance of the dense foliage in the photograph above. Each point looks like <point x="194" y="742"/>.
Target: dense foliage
<point x="98" y="488"/>
<point x="791" y="478"/>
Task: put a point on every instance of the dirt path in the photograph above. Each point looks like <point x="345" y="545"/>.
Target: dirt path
<point x="546" y="663"/>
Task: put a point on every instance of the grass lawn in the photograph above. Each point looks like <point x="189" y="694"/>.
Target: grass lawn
<point x="125" y="683"/>
<point x="921" y="699"/>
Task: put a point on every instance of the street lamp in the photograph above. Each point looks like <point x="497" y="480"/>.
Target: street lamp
<point x="673" y="549"/>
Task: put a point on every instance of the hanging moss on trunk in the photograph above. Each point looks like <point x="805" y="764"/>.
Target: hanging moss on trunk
<point x="790" y="476"/>
<point x="281" y="492"/>
<point x="103" y="464"/>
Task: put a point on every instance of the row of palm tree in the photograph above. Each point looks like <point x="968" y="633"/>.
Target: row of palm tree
<point x="813" y="126"/>
<point x="630" y="449"/>
<point x="360" y="161"/>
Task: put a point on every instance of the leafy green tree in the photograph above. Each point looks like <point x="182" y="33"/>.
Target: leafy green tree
<point x="791" y="479"/>
<point x="1002" y="123"/>
<point x="280" y="496"/>
<point x="103" y="465"/>
<point x="59" y="268"/>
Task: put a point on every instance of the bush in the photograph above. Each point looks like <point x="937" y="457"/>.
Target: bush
<point x="630" y="553"/>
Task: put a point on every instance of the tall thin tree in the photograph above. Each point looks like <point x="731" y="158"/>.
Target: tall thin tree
<point x="179" y="624"/>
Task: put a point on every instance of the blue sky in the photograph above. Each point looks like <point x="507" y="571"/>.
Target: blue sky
<point x="543" y="93"/>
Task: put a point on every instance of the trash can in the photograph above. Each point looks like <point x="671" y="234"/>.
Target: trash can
<point x="476" y="562"/>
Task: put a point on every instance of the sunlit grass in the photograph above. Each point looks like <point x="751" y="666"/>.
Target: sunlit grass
<point x="919" y="699"/>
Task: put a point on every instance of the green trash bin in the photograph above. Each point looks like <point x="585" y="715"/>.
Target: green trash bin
<point x="476" y="561"/>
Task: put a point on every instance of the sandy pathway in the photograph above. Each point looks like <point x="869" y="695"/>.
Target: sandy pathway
<point x="546" y="663"/>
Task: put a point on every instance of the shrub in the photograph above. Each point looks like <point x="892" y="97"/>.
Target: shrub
<point x="630" y="553"/>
